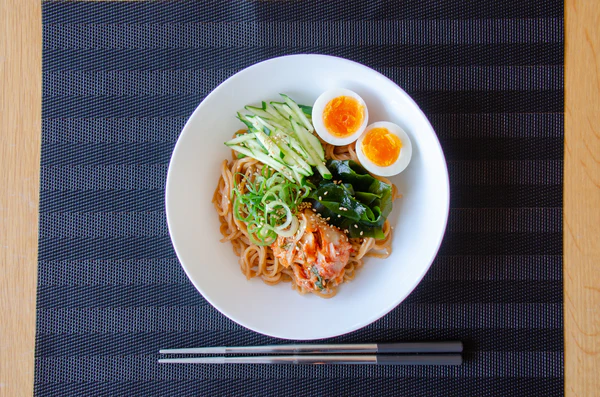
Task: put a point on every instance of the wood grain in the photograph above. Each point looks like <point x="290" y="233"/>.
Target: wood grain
<point x="582" y="198"/>
<point x="20" y="95"/>
<point x="20" y="113"/>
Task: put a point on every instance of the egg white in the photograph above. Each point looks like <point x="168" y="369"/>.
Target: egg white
<point x="403" y="158"/>
<point x="317" y="116"/>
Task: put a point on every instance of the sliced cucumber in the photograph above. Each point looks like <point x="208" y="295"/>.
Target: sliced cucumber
<point x="299" y="177"/>
<point x="275" y="114"/>
<point x="302" y="135"/>
<point x="267" y="119"/>
<point x="265" y="159"/>
<point x="269" y="144"/>
<point x="280" y="136"/>
<point x="252" y="121"/>
<point x="247" y="122"/>
<point x="256" y="145"/>
<point x="240" y="139"/>
<point x="269" y="124"/>
<point x="294" y="146"/>
<point x="293" y="158"/>
<point x="283" y="109"/>
<point x="298" y="113"/>
<point x="316" y="144"/>
<point x="259" y="111"/>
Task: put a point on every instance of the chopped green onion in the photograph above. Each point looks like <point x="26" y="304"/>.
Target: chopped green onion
<point x="266" y="204"/>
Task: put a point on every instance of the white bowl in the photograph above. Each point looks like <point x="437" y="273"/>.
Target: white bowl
<point x="419" y="217"/>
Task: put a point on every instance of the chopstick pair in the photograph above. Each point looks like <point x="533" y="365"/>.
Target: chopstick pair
<point x="419" y="353"/>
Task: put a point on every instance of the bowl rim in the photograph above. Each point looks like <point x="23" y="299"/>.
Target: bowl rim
<point x="321" y="334"/>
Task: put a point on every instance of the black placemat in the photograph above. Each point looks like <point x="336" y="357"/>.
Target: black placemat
<point x="120" y="80"/>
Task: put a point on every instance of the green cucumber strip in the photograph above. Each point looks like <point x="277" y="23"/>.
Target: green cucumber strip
<point x="289" y="160"/>
<point x="255" y="144"/>
<point x="302" y="149"/>
<point x="241" y="138"/>
<point x="299" y="113"/>
<point x="299" y="178"/>
<point x="257" y="111"/>
<point x="301" y="170"/>
<point x="248" y="124"/>
<point x="280" y="119"/>
<point x="295" y="145"/>
<point x="312" y="142"/>
<point x="262" y="157"/>
<point x="283" y="109"/>
<point x="282" y="141"/>
<point x="302" y="133"/>
<point x="255" y="125"/>
<point x="268" y="113"/>
<point x="271" y="125"/>
<point x="268" y="143"/>
<point x="294" y="160"/>
<point x="325" y="173"/>
<point x="267" y="117"/>
<point x="316" y="144"/>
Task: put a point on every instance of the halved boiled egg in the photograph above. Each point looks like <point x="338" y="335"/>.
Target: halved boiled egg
<point x="384" y="149"/>
<point x="339" y="116"/>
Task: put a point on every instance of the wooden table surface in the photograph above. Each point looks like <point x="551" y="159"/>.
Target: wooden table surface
<point x="20" y="123"/>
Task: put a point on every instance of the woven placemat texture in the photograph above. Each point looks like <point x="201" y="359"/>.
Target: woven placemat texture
<point x="120" y="81"/>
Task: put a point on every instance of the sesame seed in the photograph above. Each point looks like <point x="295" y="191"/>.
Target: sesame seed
<point x="356" y="226"/>
<point x="325" y="194"/>
<point x="361" y="233"/>
<point x="320" y="198"/>
<point x="339" y="216"/>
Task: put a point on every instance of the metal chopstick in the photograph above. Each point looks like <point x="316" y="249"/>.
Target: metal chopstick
<point x="373" y="359"/>
<point x="406" y="347"/>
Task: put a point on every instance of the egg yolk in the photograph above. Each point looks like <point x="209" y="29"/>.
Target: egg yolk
<point x="381" y="147"/>
<point x="343" y="116"/>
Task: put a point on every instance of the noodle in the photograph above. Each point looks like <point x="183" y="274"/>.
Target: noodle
<point x="260" y="261"/>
